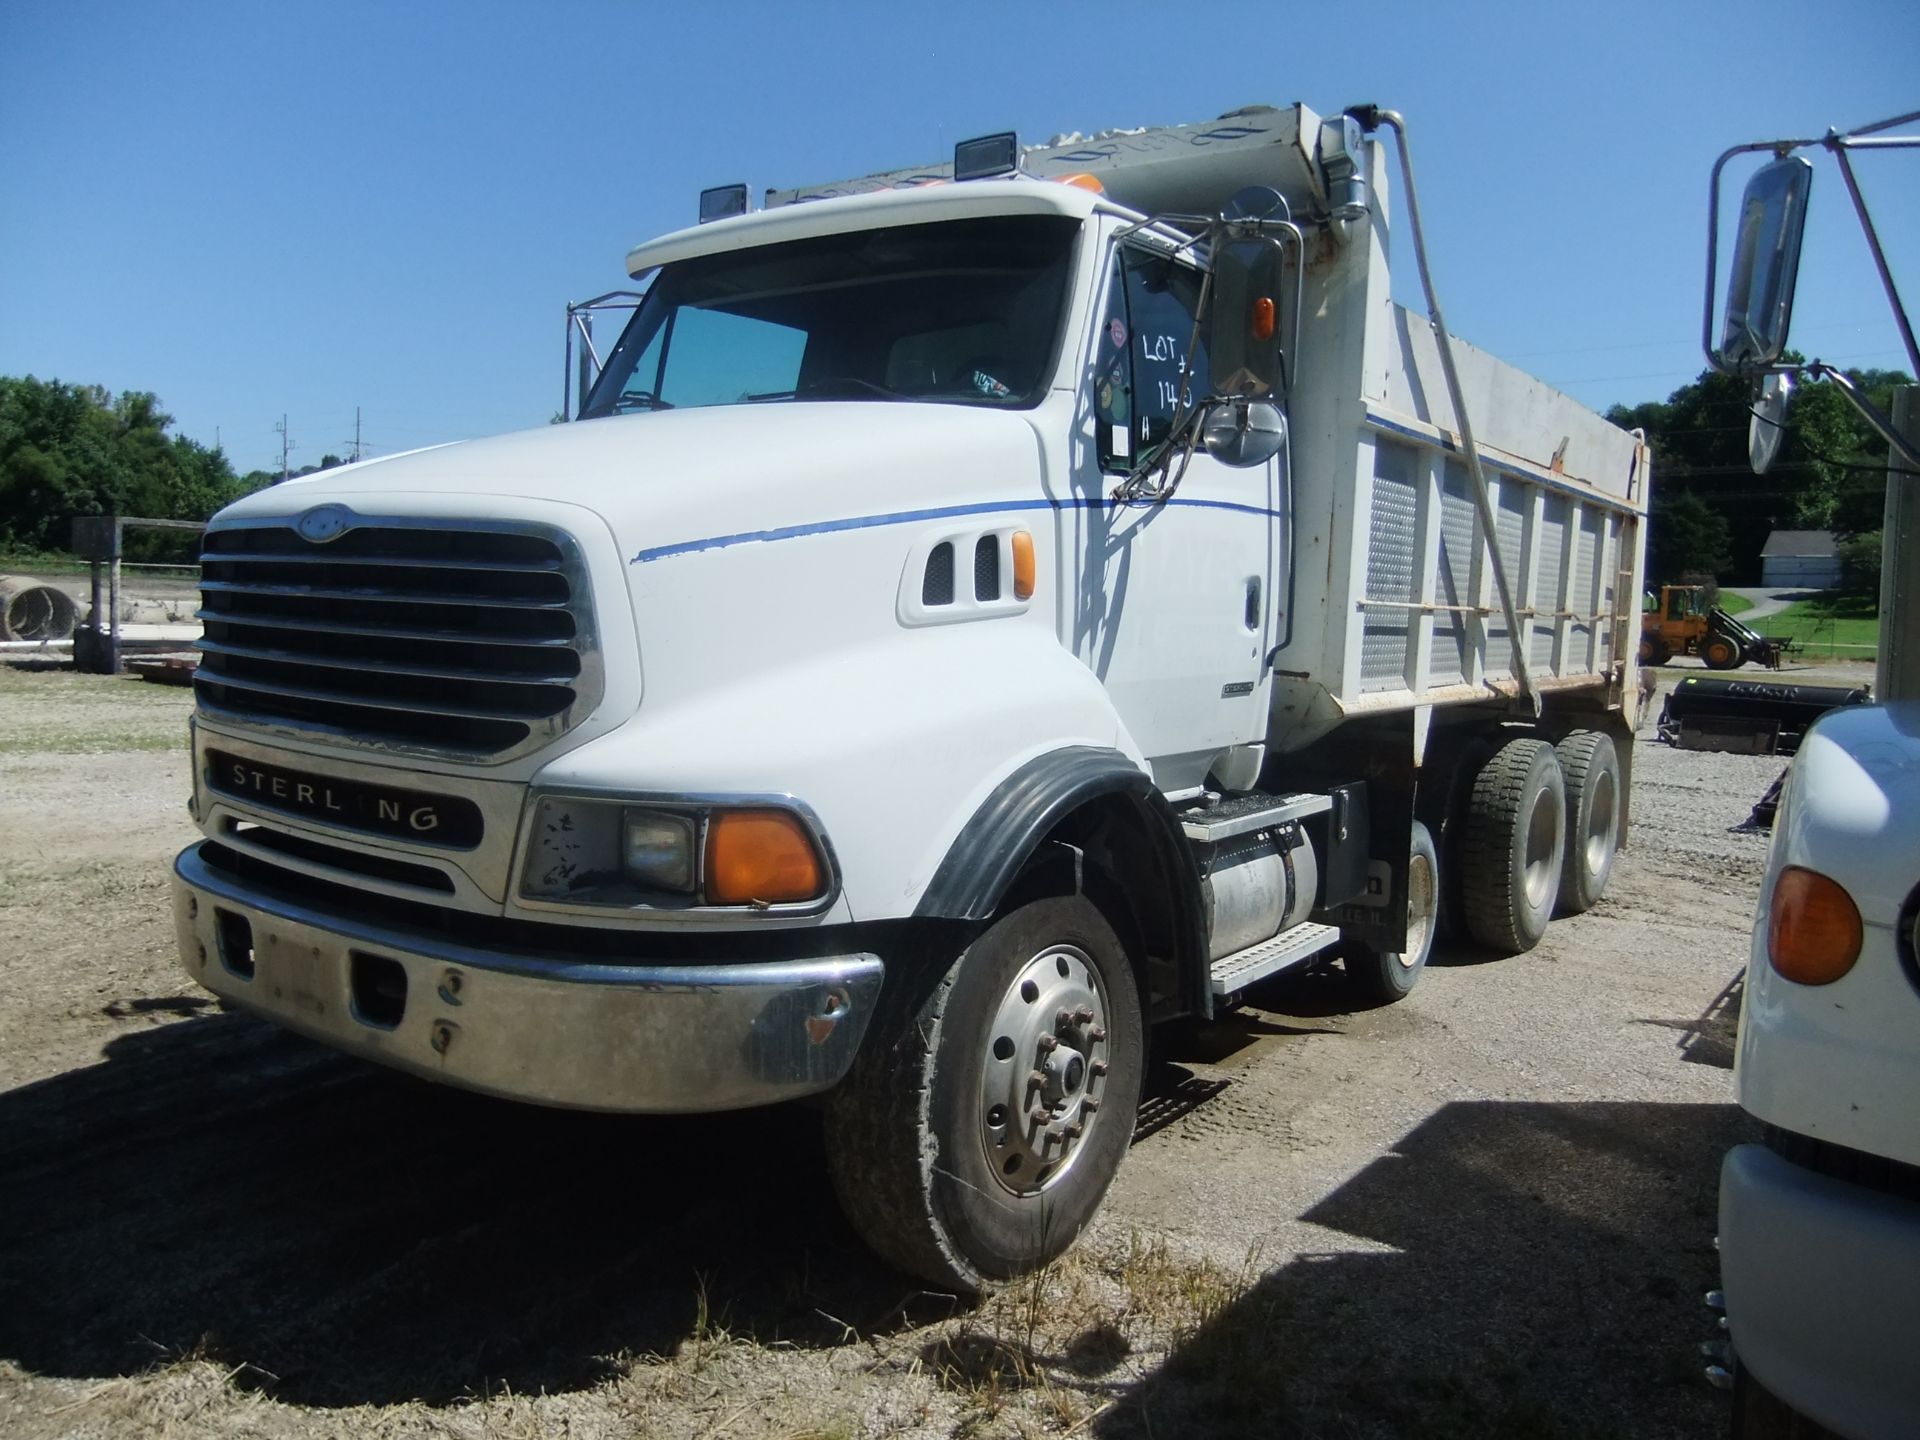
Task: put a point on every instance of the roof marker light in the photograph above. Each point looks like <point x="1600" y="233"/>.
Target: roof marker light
<point x="723" y="202"/>
<point x="986" y="157"/>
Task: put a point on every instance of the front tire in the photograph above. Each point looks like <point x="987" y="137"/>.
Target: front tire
<point x="1384" y="976"/>
<point x="1720" y="653"/>
<point x="1514" y="846"/>
<point x="987" y="1114"/>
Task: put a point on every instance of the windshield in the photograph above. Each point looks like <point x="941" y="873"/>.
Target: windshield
<point x="964" y="311"/>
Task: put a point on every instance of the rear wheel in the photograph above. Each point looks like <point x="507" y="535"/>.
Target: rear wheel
<point x="988" y="1112"/>
<point x="1719" y="652"/>
<point x="1592" y="770"/>
<point x="1513" y="846"/>
<point x="1384" y="976"/>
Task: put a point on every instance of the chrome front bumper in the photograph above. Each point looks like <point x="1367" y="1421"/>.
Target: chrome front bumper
<point x="652" y="1038"/>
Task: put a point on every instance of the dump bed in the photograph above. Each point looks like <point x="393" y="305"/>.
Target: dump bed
<point x="1394" y="604"/>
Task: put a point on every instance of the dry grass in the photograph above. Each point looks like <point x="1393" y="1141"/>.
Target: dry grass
<point x="62" y="712"/>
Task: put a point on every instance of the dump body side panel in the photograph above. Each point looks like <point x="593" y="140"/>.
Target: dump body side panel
<point x="1393" y="599"/>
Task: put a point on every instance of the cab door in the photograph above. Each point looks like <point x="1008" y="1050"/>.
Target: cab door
<point x="1178" y="598"/>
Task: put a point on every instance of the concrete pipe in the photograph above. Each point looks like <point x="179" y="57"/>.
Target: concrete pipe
<point x="32" y="611"/>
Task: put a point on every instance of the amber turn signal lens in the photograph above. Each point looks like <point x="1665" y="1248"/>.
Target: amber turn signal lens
<point x="1813" y="928"/>
<point x="1263" y="318"/>
<point x="1022" y="565"/>
<point x="763" y="856"/>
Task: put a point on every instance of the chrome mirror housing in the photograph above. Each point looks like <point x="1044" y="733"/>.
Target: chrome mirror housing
<point x="1243" y="433"/>
<point x="1767" y="425"/>
<point x="1766" y="262"/>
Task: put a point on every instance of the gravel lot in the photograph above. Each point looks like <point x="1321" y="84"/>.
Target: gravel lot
<point x="1487" y="1211"/>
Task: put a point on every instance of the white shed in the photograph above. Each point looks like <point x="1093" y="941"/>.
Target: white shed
<point x="1806" y="559"/>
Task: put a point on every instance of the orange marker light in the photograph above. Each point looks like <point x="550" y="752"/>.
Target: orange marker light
<point x="760" y="855"/>
<point x="1023" y="565"/>
<point x="1813" y="928"/>
<point x="1263" y="318"/>
<point x="1082" y="181"/>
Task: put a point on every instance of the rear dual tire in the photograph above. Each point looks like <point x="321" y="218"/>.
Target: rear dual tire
<point x="1514" y="846"/>
<point x="1591" y="767"/>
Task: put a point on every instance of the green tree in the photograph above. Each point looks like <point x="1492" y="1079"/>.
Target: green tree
<point x="1828" y="475"/>
<point x="1686" y="538"/>
<point x="69" y="450"/>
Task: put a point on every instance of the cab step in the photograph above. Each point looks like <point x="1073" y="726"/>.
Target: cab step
<point x="1237" y="815"/>
<point x="1235" y="972"/>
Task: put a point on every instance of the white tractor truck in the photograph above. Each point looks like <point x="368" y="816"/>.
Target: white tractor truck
<point x="977" y="614"/>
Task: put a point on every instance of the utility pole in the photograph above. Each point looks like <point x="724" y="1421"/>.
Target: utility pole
<point x="285" y="446"/>
<point x="356" y="434"/>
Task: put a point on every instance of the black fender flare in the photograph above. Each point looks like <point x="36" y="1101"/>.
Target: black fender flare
<point x="1002" y="836"/>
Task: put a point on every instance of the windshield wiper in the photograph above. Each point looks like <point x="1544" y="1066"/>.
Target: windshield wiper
<point x="639" y="400"/>
<point x="828" y="386"/>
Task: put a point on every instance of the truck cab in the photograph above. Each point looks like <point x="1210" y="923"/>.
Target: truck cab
<point x="972" y="618"/>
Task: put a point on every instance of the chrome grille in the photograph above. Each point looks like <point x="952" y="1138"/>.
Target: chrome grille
<point x="442" y="640"/>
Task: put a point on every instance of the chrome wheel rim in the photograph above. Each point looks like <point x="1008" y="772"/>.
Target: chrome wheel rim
<point x="1421" y="898"/>
<point x="1599" y="837"/>
<point x="1044" y="1073"/>
<point x="1542" y="857"/>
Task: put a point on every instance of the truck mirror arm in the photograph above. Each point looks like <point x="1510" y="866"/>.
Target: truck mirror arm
<point x="1881" y="422"/>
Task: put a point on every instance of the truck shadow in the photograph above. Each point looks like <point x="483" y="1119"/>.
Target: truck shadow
<point x="339" y="1235"/>
<point x="1544" y="1279"/>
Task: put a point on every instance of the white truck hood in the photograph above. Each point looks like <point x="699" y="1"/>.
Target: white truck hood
<point x="672" y="478"/>
<point x="1855" y="813"/>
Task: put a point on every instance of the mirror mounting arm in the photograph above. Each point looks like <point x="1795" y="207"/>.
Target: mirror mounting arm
<point x="1871" y="413"/>
<point x="1839" y="149"/>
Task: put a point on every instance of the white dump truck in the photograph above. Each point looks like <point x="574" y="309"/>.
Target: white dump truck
<point x="977" y="614"/>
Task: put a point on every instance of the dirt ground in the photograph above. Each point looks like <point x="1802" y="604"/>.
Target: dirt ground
<point x="1486" y="1211"/>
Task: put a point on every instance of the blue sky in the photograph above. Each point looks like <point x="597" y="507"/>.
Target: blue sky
<point x="254" y="209"/>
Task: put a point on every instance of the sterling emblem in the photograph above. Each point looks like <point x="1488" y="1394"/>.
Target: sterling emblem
<point x="324" y="523"/>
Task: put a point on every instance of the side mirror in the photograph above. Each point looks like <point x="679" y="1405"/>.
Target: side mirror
<point x="1243" y="318"/>
<point x="1243" y="433"/>
<point x="1766" y="262"/>
<point x="1768" y="423"/>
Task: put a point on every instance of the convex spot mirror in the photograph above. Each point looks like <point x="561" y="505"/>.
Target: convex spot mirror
<point x="1766" y="262"/>
<point x="1243" y="314"/>
<point x="1243" y="433"/>
<point x="1767" y="425"/>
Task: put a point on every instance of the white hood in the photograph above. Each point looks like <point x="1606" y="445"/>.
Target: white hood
<point x="679" y="477"/>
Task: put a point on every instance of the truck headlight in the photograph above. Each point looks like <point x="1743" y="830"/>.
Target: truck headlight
<point x="602" y="851"/>
<point x="657" y="848"/>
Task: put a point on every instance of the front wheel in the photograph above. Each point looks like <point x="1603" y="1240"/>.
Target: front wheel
<point x="1720" y="653"/>
<point x="988" y="1112"/>
<point x="1384" y="976"/>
